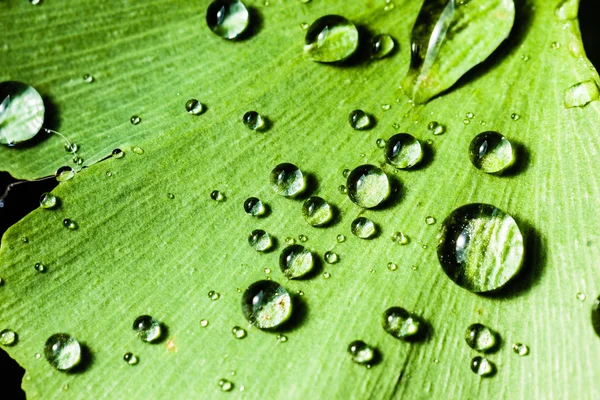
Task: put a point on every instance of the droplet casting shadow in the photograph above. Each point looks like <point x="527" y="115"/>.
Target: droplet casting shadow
<point x="86" y="361"/>
<point x="309" y="188"/>
<point x="521" y="160"/>
<point x="255" y="25"/>
<point x="395" y="193"/>
<point x="298" y="317"/>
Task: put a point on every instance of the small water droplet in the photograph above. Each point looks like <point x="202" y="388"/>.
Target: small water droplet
<point x="360" y="352"/>
<point x="130" y="358"/>
<point x="515" y="116"/>
<point x="70" y="147"/>
<point x="392" y="266"/>
<point x="525" y="57"/>
<point x="135" y="120"/>
<point x="48" y="200"/>
<point x="38" y="356"/>
<point x="380" y="143"/>
<point x="64" y="174"/>
<point x="360" y="120"/>
<point x="254" y="121"/>
<point x="481" y="338"/>
<point x="8" y="337"/>
<point x="345" y="173"/>
<point x="137" y="150"/>
<point x="403" y="151"/>
<point x="331" y="38"/>
<point x="21" y="112"/>
<point x="326" y="275"/>
<point x="238" y="332"/>
<point x="342" y="189"/>
<point x="267" y="271"/>
<point x="382" y="45"/>
<point x="581" y="94"/>
<point x="491" y="152"/>
<point x="290" y="240"/>
<point x="118" y="153"/>
<point x="581" y="296"/>
<point x="227" y="18"/>
<point x="260" y="240"/>
<point x="266" y="304"/>
<point x="385" y="107"/>
<point x="194" y="107"/>
<point x="204" y="323"/>
<point x="170" y="196"/>
<point x="282" y="338"/>
<point x="62" y="351"/>
<point x="341" y="238"/>
<point x="395" y="125"/>
<point x="253" y="206"/>
<point x="300" y="293"/>
<point x="217" y="196"/>
<point x="287" y="180"/>
<point x="368" y="186"/>
<point x="555" y="45"/>
<point x="482" y="366"/>
<point x="363" y="228"/>
<point x="69" y="224"/>
<point x="316" y="211"/>
<point x="430" y="220"/>
<point x="331" y="257"/>
<point x="39" y="267"/>
<point x="213" y="295"/>
<point x="304" y="25"/>
<point x="87" y="78"/>
<point x="109" y="173"/>
<point x="296" y="261"/>
<point x="436" y="128"/>
<point x="520" y="349"/>
<point x="466" y="121"/>
<point x="470" y="115"/>
<point x="400" y="238"/>
<point x="401" y="324"/>
<point x="148" y="329"/>
<point x="226" y="385"/>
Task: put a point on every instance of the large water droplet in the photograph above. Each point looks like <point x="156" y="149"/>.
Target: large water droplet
<point x="491" y="152"/>
<point x="260" y="240"/>
<point x="381" y="46"/>
<point x="21" y="112"/>
<point x="253" y="206"/>
<point x="296" y="261"/>
<point x="482" y="366"/>
<point x="481" y="338"/>
<point x="217" y="195"/>
<point x="8" y="337"/>
<point x="401" y="324"/>
<point x="363" y="228"/>
<point x="368" y="186"/>
<point x="331" y="38"/>
<point x="360" y="352"/>
<point x="254" y="121"/>
<point x="287" y="180"/>
<point x="359" y="120"/>
<point x="316" y="211"/>
<point x="148" y="329"/>
<point x="48" y="200"/>
<point x="596" y="315"/>
<point x="194" y="107"/>
<point x="62" y="351"/>
<point x="403" y="151"/>
<point x="227" y="18"/>
<point x="581" y="94"/>
<point x="266" y="304"/>
<point x="480" y="247"/>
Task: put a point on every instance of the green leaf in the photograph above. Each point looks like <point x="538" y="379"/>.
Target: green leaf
<point x="137" y="251"/>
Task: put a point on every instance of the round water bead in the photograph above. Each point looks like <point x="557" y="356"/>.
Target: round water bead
<point x="400" y="238"/>
<point x="491" y="152"/>
<point x="403" y="151"/>
<point x="296" y="261"/>
<point x="260" y="240"/>
<point x="287" y="180"/>
<point x="360" y="120"/>
<point x="361" y="352"/>
<point x="481" y="338"/>
<point x="400" y="323"/>
<point x="194" y="107"/>
<point x="316" y="211"/>
<point x="368" y="186"/>
<point x="381" y="46"/>
<point x="253" y="206"/>
<point x="217" y="196"/>
<point x="363" y="228"/>
<point x="480" y="247"/>
<point x="482" y="366"/>
<point x="147" y="328"/>
<point x="436" y="128"/>
<point x="596" y="315"/>
<point x="520" y="349"/>
<point x="130" y="358"/>
<point x="254" y="121"/>
<point x="331" y="257"/>
<point x="266" y="304"/>
<point x="48" y="200"/>
<point x="69" y="224"/>
<point x="331" y="38"/>
<point x="227" y="18"/>
<point x="238" y="332"/>
<point x="8" y="337"/>
<point x="21" y="112"/>
<point x="64" y="174"/>
<point x="39" y="267"/>
<point x="62" y="351"/>
<point x="135" y="120"/>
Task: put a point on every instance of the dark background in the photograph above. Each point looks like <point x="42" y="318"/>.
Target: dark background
<point x="24" y="197"/>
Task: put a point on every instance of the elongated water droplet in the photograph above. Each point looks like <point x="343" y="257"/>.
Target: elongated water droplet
<point x="287" y="180"/>
<point x="227" y="18"/>
<point x="130" y="358"/>
<point x="213" y="295"/>
<point x="260" y="240"/>
<point x="118" y="153"/>
<point x="581" y="94"/>
<point x="596" y="315"/>
<point x="69" y="224"/>
<point x="148" y="329"/>
<point x="360" y="352"/>
<point x="481" y="338"/>
<point x="64" y="174"/>
<point x="363" y="228"/>
<point x="331" y="38"/>
<point x="480" y="247"/>
<point x="316" y="211"/>
<point x="296" y="261"/>
<point x="62" y="351"/>
<point x="331" y="257"/>
<point x="436" y="128"/>
<point x="226" y="385"/>
<point x="8" y="337"/>
<point x="382" y="45"/>
<point x="482" y="366"/>
<point x="21" y="112"/>
<point x="194" y="107"/>
<point x="368" y="186"/>
<point x="403" y="151"/>
<point x="137" y="150"/>
<point x="48" y="200"/>
<point x="520" y="349"/>
<point x="254" y="121"/>
<point x="135" y="120"/>
<point x="359" y="120"/>
<point x="491" y="152"/>
<point x="87" y="78"/>
<point x="401" y="324"/>
<point x="302" y="238"/>
<point x="266" y="304"/>
<point x="238" y="332"/>
<point x="217" y="195"/>
<point x="253" y="206"/>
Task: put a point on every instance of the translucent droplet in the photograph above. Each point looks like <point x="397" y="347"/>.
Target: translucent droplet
<point x="226" y="385"/>
<point x="287" y="180"/>
<point x="8" y="337"/>
<point x="137" y="150"/>
<point x="227" y="18"/>
<point x="400" y="238"/>
<point x="555" y="45"/>
<point x="466" y="121"/>
<point x="39" y="267"/>
<point x="64" y="174"/>
<point x="581" y="296"/>
<point x="481" y="338"/>
<point x="204" y="323"/>
<point x="213" y="295"/>
<point x="368" y="186"/>
<point x="130" y="358"/>
<point x="341" y="238"/>
<point x="254" y="121"/>
<point x="238" y="332"/>
<point x="331" y="38"/>
<point x="253" y="206"/>
<point x="581" y="94"/>
<point x="69" y="147"/>
<point x="302" y="238"/>
<point x="317" y="211"/>
<point x="381" y="46"/>
<point x="282" y="338"/>
<point x="470" y="115"/>
<point x="194" y="107"/>
<point x="403" y="151"/>
<point x="596" y="316"/>
<point x="430" y="220"/>
<point x="386" y="107"/>
<point x="363" y="228"/>
<point x="148" y="329"/>
<point x="515" y="116"/>
<point x="118" y="153"/>
<point x="480" y="247"/>
<point x="296" y="261"/>
<point x="267" y="271"/>
<point x="62" y="351"/>
<point x="436" y="128"/>
<point x="380" y="143"/>
<point x="135" y="120"/>
<point x="87" y="78"/>
<point x="304" y="25"/>
<point x="48" y="200"/>
<point x="170" y="196"/>
<point x="491" y="152"/>
<point x="69" y="224"/>
<point x="290" y="240"/>
<point x="359" y="120"/>
<point x="567" y="10"/>
<point x="260" y="240"/>
<point x="326" y="275"/>
<point x="392" y="266"/>
<point x="21" y="112"/>
<point x="109" y="174"/>
<point x="482" y="366"/>
<point x="360" y="352"/>
<point x="331" y="257"/>
<point x="266" y="304"/>
<point x="346" y="172"/>
<point x="343" y="189"/>
<point x="520" y="349"/>
<point x="300" y="293"/>
<point x="217" y="196"/>
<point x="35" y="2"/>
<point x="400" y="323"/>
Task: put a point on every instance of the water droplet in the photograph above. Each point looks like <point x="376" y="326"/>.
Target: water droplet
<point x="21" y="112"/>
<point x="62" y="351"/>
<point x="64" y="174"/>
<point x="525" y="57"/>
<point x="400" y="238"/>
<point x="482" y="366"/>
<point x="470" y="115"/>
<point x="326" y="275"/>
<point x="581" y="296"/>
<point x="69" y="224"/>
<point x="430" y="220"/>
<point x="109" y="173"/>
<point x="260" y="240"/>
<point x="296" y="261"/>
<point x="436" y="128"/>
<point x="385" y="107"/>
<point x="466" y="121"/>
<point x="316" y="211"/>
<point x="331" y="257"/>
<point x="300" y="293"/>
<point x="391" y="266"/>
<point x="204" y="323"/>
<point x="48" y="200"/>
<point x="217" y="196"/>
<point x="266" y="304"/>
<point x="555" y="45"/>
<point x="148" y="329"/>
<point x="87" y="78"/>
<point x="287" y="180"/>
<point x="227" y="18"/>
<point x="345" y="173"/>
<point x="135" y="120"/>
<point x="491" y="152"/>
<point x="137" y="150"/>
<point x="282" y="338"/>
<point x="38" y="356"/>
<point x="69" y="147"/>
<point x="401" y="324"/>
<point x="361" y="352"/>
<point x="363" y="228"/>
<point x="581" y="94"/>
<point x="254" y="121"/>
<point x="267" y="271"/>
<point x="238" y="332"/>
<point x="380" y="143"/>
<point x="330" y="38"/>
<point x="342" y="189"/>
<point x="194" y="107"/>
<point x="403" y="151"/>
<point x="381" y="46"/>
<point x="368" y="186"/>
<point x="360" y="120"/>
<point x="481" y="338"/>
<point x="567" y="10"/>
<point x="515" y="116"/>
<point x="242" y="388"/>
<point x="520" y="349"/>
<point x="290" y="240"/>
<point x="130" y="358"/>
<point x="341" y="238"/>
<point x="596" y="316"/>
<point x="39" y="267"/>
<point x="8" y="337"/>
<point x="304" y="25"/>
<point x="480" y="247"/>
<point x="213" y="295"/>
<point x="253" y="206"/>
<point x="169" y="195"/>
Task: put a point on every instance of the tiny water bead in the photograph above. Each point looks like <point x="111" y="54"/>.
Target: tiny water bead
<point x="580" y="94"/>
<point x="148" y="329"/>
<point x="430" y="220"/>
<point x="482" y="366"/>
<point x="386" y="107"/>
<point x="380" y="143"/>
<point x="169" y="195"/>
<point x="515" y="117"/>
<point x="567" y="10"/>
<point x="360" y="120"/>
<point x="403" y="151"/>
<point x="290" y="240"/>
<point x="213" y="295"/>
<point x="260" y="240"/>
<point x="287" y="180"/>
<point x="368" y="186"/>
<point x="401" y="324"/>
<point x="137" y="150"/>
<point x="266" y="304"/>
<point x="87" y="78"/>
<point x="204" y="323"/>
<point x="303" y="238"/>
<point x="135" y="120"/>
<point x="64" y="174"/>
<point x="340" y="238"/>
<point x="491" y="152"/>
<point x="346" y="172"/>
<point x="69" y="224"/>
<point x="39" y="267"/>
<point x="253" y="206"/>
<point x="282" y="338"/>
<point x="48" y="200"/>
<point x="62" y="351"/>
<point x="360" y="352"/>
<point x="363" y="228"/>
<point x="317" y="211"/>
<point x="227" y="18"/>
<point x="217" y="196"/>
<point x="596" y="316"/>
<point x="254" y="121"/>
<point x="392" y="266"/>
<point x="238" y="332"/>
<point x="326" y="275"/>
<point x="436" y="128"/>
<point x="118" y="153"/>
<point x="130" y="358"/>
<point x="21" y="112"/>
<point x="8" y="337"/>
<point x="194" y="107"/>
<point x="331" y="257"/>
<point x="400" y="238"/>
<point x="581" y="296"/>
<point x="343" y="189"/>
<point x="520" y="349"/>
<point x="481" y="338"/>
<point x="331" y="38"/>
<point x="480" y="247"/>
<point x="226" y="385"/>
<point x="382" y="45"/>
<point x="296" y="261"/>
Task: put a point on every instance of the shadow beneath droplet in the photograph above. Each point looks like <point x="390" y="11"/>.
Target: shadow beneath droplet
<point x="590" y="29"/>
<point x="377" y="357"/>
<point x="164" y="334"/>
<point x="316" y="269"/>
<point x="425" y="333"/>
<point x="309" y="188"/>
<point x="267" y="125"/>
<point x="298" y="317"/>
<point x="395" y="194"/>
<point x="427" y="158"/>
<point x="87" y="358"/>
<point x="335" y="219"/>
<point x="50" y="122"/>
<point x="255" y="25"/>
<point x="521" y="160"/>
<point x="274" y="245"/>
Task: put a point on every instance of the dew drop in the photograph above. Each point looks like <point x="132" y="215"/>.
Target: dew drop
<point x="109" y="174"/>
<point x="466" y="121"/>
<point x="227" y="18"/>
<point x="302" y="238"/>
<point x="64" y="174"/>
<point x="400" y="238"/>
<point x="341" y="238"/>
<point x="515" y="116"/>
<point x="300" y="293"/>
<point x="436" y="128"/>
<point x="169" y="195"/>
<point x="204" y="323"/>
<point x="363" y="228"/>
<point x="253" y="206"/>
<point x="254" y="121"/>
<point x="130" y="358"/>
<point x="282" y="338"/>
<point x="137" y="150"/>
<point x="194" y="107"/>
<point x="267" y="271"/>
<point x="326" y="275"/>
<point x="331" y="38"/>
<point x="69" y="224"/>
<point x="21" y="112"/>
<point x="481" y="338"/>
<point x="381" y="46"/>
<point x="401" y="324"/>
<point x="385" y="107"/>
<point x="555" y="45"/>
<point x="62" y="351"/>
<point x="403" y="151"/>
<point x="345" y="173"/>
<point x="8" y="337"/>
<point x="392" y="266"/>
<point x="304" y="26"/>
<point x="520" y="349"/>
<point x="360" y="120"/>
<point x="317" y="211"/>
<point x="482" y="366"/>
<point x="343" y="189"/>
<point x="87" y="78"/>
<point x="331" y="257"/>
<point x="118" y="153"/>
<point x="39" y="267"/>
<point x="430" y="220"/>
<point x="135" y="120"/>
<point x="213" y="295"/>
<point x="266" y="304"/>
<point x="581" y="94"/>
<point x="148" y="329"/>
<point x="596" y="316"/>
<point x="238" y="332"/>
<point x="48" y="200"/>
<point x="287" y="180"/>
<point x="368" y="186"/>
<point x="217" y="196"/>
<point x="491" y="152"/>
<point x="581" y="296"/>
<point x="35" y="2"/>
<point x="290" y="240"/>
<point x="296" y="261"/>
<point x="470" y="115"/>
<point x="360" y="352"/>
<point x="260" y="240"/>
